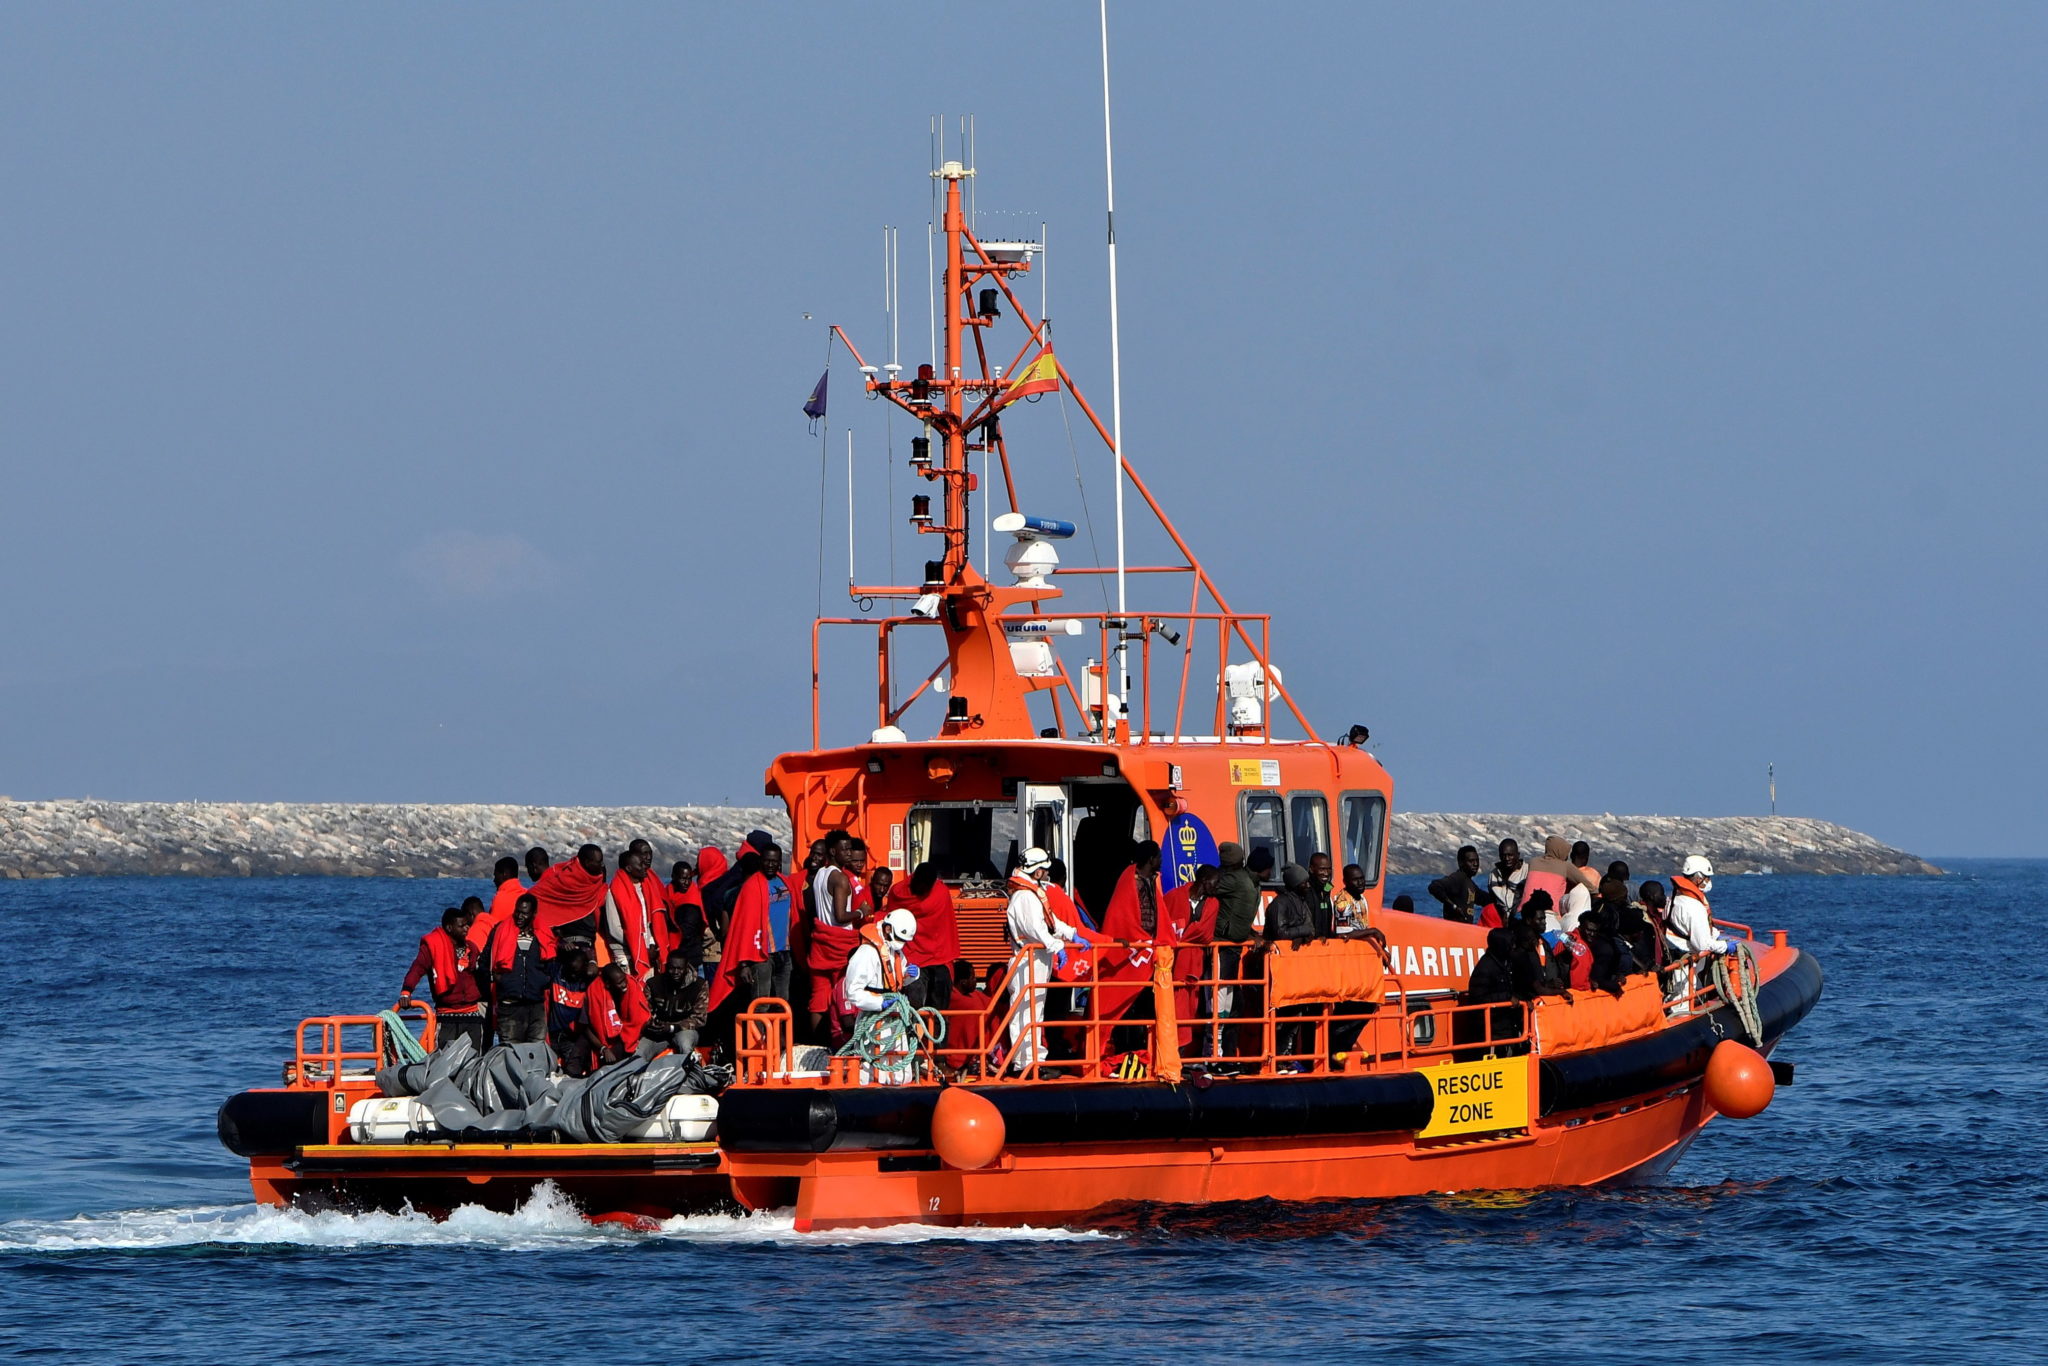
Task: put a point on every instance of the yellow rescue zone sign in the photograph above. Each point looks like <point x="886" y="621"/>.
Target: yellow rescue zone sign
<point x="1477" y="1097"/>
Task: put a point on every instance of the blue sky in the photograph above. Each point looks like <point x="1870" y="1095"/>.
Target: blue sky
<point x="400" y="402"/>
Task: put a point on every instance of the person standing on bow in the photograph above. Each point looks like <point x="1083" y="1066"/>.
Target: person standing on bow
<point x="1505" y="886"/>
<point x="450" y="966"/>
<point x="1190" y="915"/>
<point x="1689" y="927"/>
<point x="840" y="902"/>
<point x="570" y="895"/>
<point x="635" y="922"/>
<point x="1039" y="934"/>
<point x="509" y="889"/>
<point x="519" y="976"/>
<point x="1132" y="917"/>
<point x="1459" y="894"/>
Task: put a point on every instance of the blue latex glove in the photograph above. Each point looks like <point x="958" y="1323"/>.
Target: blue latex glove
<point x="910" y="972"/>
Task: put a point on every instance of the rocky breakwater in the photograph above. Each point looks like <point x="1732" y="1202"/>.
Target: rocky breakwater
<point x="232" y="839"/>
<point x="1654" y="846"/>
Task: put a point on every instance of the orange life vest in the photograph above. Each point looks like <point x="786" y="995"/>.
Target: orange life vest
<point x="892" y="965"/>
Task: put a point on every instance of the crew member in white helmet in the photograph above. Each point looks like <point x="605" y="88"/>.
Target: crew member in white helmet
<point x="877" y="970"/>
<point x="1032" y="926"/>
<point x="1689" y="925"/>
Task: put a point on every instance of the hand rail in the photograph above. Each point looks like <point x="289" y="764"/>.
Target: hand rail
<point x="326" y="1064"/>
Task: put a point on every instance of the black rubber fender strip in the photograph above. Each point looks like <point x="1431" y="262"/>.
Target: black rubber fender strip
<point x="1678" y="1055"/>
<point x="272" y="1123"/>
<point x="777" y="1120"/>
<point x="891" y="1118"/>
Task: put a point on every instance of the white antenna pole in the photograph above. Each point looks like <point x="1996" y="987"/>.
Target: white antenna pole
<point x="850" y="579"/>
<point x="1116" y="382"/>
<point x="1044" y="271"/>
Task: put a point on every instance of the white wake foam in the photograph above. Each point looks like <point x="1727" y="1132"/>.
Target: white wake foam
<point x="547" y="1221"/>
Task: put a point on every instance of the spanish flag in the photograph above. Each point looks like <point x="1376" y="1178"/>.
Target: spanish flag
<point x="1041" y="376"/>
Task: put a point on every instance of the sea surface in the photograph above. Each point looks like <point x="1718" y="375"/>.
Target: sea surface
<point x="1892" y="1205"/>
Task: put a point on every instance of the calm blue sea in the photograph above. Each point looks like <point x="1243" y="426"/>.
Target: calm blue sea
<point x="1891" y="1206"/>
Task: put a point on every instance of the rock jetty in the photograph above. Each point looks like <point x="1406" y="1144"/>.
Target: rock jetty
<point x="1654" y="846"/>
<point x="233" y="839"/>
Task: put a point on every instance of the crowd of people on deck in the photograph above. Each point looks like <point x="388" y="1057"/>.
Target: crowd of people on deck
<point x="1556" y="925"/>
<point x="605" y="966"/>
<point x="601" y="966"/>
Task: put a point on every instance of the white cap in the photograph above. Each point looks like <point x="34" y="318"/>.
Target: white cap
<point x="1036" y="860"/>
<point x="900" y="925"/>
<point x="1696" y="867"/>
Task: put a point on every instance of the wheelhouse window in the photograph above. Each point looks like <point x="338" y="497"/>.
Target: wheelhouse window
<point x="1264" y="825"/>
<point x="1365" y="827"/>
<point x="1308" y="825"/>
<point x="966" y="841"/>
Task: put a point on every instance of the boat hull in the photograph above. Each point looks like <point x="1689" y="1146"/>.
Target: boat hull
<point x="1077" y="1153"/>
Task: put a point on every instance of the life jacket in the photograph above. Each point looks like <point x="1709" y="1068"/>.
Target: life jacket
<point x="447" y="961"/>
<point x="892" y="959"/>
<point x="565" y="1005"/>
<point x="1685" y="886"/>
<point x="1021" y="881"/>
<point x="892" y="967"/>
<point x="1581" y="962"/>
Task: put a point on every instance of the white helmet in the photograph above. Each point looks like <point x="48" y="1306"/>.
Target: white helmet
<point x="1036" y="860"/>
<point x="1697" y="868"/>
<point x="899" y="925"/>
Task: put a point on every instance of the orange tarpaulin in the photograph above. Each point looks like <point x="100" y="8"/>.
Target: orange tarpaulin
<point x="1593" y="1019"/>
<point x="1326" y="970"/>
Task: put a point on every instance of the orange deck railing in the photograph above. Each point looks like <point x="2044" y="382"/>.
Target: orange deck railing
<point x="1398" y="1031"/>
<point x="343" y="1040"/>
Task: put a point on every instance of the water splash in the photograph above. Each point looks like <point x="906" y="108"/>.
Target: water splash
<point x="548" y="1220"/>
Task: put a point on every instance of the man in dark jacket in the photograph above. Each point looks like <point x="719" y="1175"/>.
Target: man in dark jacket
<point x="1460" y="893"/>
<point x="679" y="1001"/>
<point x="519" y="975"/>
<point x="1291" y="916"/>
<point x="1492" y="984"/>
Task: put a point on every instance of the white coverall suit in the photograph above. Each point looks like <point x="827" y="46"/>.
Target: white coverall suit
<point x="1689" y="928"/>
<point x="1032" y="926"/>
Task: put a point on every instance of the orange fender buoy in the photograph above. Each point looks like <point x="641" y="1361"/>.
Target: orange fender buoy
<point x="1739" y="1080"/>
<point x="626" y="1219"/>
<point x="967" y="1129"/>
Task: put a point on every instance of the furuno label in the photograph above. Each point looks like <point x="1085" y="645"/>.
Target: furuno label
<point x="1477" y="1097"/>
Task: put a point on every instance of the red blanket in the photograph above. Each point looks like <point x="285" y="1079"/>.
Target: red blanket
<point x="938" y="928"/>
<point x="565" y="893"/>
<point x="508" y="893"/>
<point x="966" y="1028"/>
<point x="1121" y="921"/>
<point x="617" y="1022"/>
<point x="749" y="939"/>
<point x="635" y="920"/>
